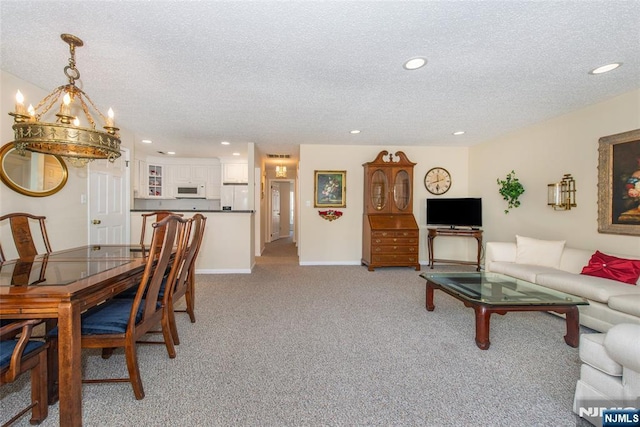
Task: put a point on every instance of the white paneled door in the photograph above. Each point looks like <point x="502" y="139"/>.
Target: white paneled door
<point x="109" y="201"/>
<point x="275" y="211"/>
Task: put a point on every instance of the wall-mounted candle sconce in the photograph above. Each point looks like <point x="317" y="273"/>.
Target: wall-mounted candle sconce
<point x="562" y="195"/>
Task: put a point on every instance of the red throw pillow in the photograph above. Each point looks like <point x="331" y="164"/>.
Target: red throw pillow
<point x="614" y="268"/>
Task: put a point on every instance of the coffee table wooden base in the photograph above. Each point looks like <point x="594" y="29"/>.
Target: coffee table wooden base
<point x="483" y="315"/>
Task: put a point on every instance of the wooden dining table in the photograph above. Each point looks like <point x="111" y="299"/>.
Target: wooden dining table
<point x="61" y="285"/>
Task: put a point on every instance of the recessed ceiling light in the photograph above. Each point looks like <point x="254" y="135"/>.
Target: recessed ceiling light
<point x="355" y="131"/>
<point x="415" y="63"/>
<point x="605" y="68"/>
<point x="236" y="154"/>
<point x="225" y="143"/>
<point x="171" y="152"/>
<point x="458" y="132"/>
<point x="146" y="141"/>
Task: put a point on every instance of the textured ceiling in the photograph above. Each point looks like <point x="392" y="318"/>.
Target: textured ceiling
<point x="189" y="75"/>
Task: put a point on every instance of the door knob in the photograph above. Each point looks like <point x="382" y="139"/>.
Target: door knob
<point x="96" y="221"/>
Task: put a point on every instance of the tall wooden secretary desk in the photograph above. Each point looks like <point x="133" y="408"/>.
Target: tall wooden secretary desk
<point x="390" y="234"/>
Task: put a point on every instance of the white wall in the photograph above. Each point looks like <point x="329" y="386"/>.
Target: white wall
<point x="340" y="241"/>
<point x="540" y="155"/>
<point x="67" y="218"/>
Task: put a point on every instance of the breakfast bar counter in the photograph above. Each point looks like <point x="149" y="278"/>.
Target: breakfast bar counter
<point x="228" y="243"/>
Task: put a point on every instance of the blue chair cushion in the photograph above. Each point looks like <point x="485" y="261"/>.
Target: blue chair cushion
<point x="131" y="292"/>
<point x="7" y="347"/>
<point x="108" y="318"/>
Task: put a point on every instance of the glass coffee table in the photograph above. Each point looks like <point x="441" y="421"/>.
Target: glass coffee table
<point x="489" y="293"/>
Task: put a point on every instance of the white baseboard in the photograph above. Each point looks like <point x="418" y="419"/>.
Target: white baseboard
<point x="330" y="263"/>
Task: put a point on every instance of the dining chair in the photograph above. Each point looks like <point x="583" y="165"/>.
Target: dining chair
<point x="19" y="353"/>
<point x="184" y="285"/>
<point x="20" y="224"/>
<point x="120" y="322"/>
<point x="150" y="218"/>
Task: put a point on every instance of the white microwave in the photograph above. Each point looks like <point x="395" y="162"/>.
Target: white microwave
<point x="189" y="191"/>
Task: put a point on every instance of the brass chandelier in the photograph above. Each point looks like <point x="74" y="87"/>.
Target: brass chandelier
<point x="65" y="136"/>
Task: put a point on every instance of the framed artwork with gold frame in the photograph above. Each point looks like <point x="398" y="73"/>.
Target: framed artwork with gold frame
<point x="330" y="189"/>
<point x="619" y="183"/>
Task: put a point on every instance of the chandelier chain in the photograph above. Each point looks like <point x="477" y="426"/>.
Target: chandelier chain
<point x="87" y="113"/>
<point x="72" y="64"/>
<point x="84" y="96"/>
<point x="53" y="96"/>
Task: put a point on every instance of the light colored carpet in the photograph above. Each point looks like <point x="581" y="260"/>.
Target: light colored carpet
<point x="335" y="346"/>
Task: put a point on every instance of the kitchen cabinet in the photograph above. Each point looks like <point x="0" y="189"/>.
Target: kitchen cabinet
<point x="184" y="174"/>
<point x="235" y="173"/>
<point x="390" y="232"/>
<point x="214" y="182"/>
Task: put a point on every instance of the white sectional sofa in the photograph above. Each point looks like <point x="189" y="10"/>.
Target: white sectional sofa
<point x="553" y="265"/>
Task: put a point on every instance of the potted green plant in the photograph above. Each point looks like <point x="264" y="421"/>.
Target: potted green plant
<point x="510" y="190"/>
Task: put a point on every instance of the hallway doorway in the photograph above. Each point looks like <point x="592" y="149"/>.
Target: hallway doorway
<point x="281" y="251"/>
<point x="281" y="209"/>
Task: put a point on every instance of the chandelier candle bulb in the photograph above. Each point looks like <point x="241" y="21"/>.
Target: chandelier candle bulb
<point x="110" y="120"/>
<point x="65" y="106"/>
<point x="20" y="103"/>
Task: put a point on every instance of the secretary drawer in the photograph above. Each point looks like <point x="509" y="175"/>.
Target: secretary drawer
<point x="394" y="241"/>
<point x="395" y="233"/>
<point x="395" y="259"/>
<point x="394" y="249"/>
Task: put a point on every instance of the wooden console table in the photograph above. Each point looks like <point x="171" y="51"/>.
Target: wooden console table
<point x="434" y="232"/>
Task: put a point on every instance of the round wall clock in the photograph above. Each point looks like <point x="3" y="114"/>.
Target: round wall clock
<point x="437" y="181"/>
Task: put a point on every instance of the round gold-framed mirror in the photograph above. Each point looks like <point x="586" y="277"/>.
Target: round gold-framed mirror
<point x="34" y="174"/>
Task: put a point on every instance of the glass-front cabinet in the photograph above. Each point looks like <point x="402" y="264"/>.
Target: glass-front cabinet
<point x="155" y="179"/>
<point x="388" y="185"/>
<point x="390" y="232"/>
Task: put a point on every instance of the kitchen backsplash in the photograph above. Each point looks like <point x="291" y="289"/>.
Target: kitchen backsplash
<point x="177" y="204"/>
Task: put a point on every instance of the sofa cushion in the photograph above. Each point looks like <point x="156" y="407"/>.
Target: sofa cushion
<point x="611" y="267"/>
<point x="629" y="304"/>
<point x="593" y="288"/>
<point x="592" y="352"/>
<point x="539" y="252"/>
<point x="573" y="260"/>
<point x="520" y="271"/>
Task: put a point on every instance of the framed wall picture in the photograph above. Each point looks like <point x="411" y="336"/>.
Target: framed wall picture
<point x="330" y="189"/>
<point x="619" y="183"/>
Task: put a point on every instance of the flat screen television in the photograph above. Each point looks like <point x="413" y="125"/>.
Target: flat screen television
<point x="455" y="212"/>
